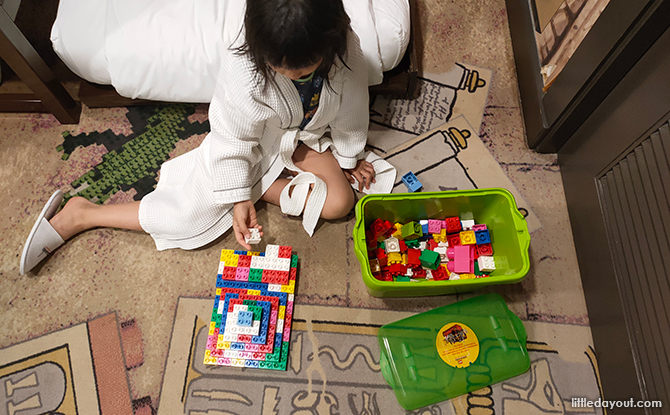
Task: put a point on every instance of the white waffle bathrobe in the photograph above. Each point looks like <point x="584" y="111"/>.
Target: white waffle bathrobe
<point x="254" y="133"/>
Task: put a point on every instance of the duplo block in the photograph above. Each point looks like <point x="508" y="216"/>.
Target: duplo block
<point x="429" y="259"/>
<point x="483" y="237"/>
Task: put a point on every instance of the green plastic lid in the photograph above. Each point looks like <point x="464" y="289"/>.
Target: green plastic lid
<point x="452" y="350"/>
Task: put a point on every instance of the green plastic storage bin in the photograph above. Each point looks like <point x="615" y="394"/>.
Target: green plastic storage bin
<point x="494" y="207"/>
<point x="452" y="350"/>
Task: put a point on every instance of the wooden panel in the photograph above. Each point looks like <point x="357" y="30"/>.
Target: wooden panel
<point x="616" y="163"/>
<point x="641" y="251"/>
<point x="29" y="66"/>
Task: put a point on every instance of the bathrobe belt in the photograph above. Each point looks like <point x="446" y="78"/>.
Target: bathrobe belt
<point x="293" y="204"/>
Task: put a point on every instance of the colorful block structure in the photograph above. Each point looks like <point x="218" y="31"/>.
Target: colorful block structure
<point x="430" y="249"/>
<point x="253" y="309"/>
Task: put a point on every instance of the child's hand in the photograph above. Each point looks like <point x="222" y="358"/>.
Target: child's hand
<point x="244" y="217"/>
<point x="363" y="172"/>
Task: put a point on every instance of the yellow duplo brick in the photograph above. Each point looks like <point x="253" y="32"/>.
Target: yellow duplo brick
<point x="254" y="292"/>
<point x="226" y="253"/>
<point x="468" y="238"/>
<point x="252" y="253"/>
<point x="291" y="283"/>
<point x="219" y="345"/>
<point x="284" y="288"/>
<point x="232" y="261"/>
<point x="468" y="276"/>
<point x="207" y="352"/>
<point x="282" y="311"/>
<point x="219" y="339"/>
<point x="218" y="291"/>
<point x="397" y="233"/>
<point x="211" y="332"/>
<point x="443" y="235"/>
<point x="404" y="259"/>
<point x="394" y="258"/>
<point x="436" y="237"/>
<point x="291" y="289"/>
<point x="226" y="345"/>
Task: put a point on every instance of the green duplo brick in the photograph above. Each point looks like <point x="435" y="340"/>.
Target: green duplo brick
<point x="429" y="259"/>
<point x="258" y="312"/>
<point x="294" y="261"/>
<point x="255" y="275"/>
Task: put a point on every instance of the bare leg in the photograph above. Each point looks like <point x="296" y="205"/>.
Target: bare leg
<point x="79" y="215"/>
<point x="340" y="198"/>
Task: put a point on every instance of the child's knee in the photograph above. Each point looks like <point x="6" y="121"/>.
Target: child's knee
<point x="338" y="206"/>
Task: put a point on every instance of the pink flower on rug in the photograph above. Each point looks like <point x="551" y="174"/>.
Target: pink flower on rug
<point x="122" y="197"/>
<point x="184" y="146"/>
<point x="42" y="122"/>
<point x="200" y="115"/>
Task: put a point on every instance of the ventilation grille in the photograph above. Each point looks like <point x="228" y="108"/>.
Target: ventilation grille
<point x="635" y="197"/>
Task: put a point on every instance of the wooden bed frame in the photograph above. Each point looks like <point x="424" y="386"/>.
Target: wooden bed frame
<point x="49" y="95"/>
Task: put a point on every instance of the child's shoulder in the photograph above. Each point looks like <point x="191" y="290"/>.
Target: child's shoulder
<point x="238" y="69"/>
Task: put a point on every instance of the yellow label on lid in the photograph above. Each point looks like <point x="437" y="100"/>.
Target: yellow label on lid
<point x="457" y="345"/>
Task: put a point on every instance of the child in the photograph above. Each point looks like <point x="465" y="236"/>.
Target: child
<point x="292" y="94"/>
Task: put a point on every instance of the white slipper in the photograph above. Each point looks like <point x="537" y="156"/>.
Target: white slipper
<point x="43" y="238"/>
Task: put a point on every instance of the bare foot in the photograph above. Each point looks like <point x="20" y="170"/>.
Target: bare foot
<point x="71" y="219"/>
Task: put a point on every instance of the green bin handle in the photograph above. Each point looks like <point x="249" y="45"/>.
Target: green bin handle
<point x="386" y="370"/>
<point x="522" y="229"/>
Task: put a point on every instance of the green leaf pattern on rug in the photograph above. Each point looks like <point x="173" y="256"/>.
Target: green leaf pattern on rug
<point x="132" y="162"/>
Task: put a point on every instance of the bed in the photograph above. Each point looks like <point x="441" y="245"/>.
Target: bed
<point x="169" y="50"/>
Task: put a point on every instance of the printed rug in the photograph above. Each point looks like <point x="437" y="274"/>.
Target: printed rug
<point x="334" y="369"/>
<point x="77" y="370"/>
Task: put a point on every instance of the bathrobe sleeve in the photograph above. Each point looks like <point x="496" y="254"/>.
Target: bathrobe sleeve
<point x="349" y="129"/>
<point x="237" y="118"/>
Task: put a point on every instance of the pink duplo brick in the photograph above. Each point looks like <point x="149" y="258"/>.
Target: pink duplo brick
<point x="480" y="227"/>
<point x="434" y="226"/>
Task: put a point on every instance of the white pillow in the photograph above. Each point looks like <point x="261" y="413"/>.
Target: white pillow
<point x="169" y="50"/>
<point x="393" y="25"/>
<point x="360" y="13"/>
<point x="78" y="37"/>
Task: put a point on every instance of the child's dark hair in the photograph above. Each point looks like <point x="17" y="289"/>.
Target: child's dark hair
<point x="295" y="34"/>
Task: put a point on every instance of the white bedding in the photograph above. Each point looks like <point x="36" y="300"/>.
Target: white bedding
<point x="169" y="50"/>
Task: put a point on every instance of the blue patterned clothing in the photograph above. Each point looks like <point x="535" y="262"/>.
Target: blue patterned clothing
<point x="309" y="90"/>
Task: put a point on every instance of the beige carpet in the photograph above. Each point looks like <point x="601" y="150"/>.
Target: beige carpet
<point x="110" y="270"/>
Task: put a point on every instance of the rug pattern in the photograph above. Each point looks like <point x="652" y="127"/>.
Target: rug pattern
<point x="334" y="369"/>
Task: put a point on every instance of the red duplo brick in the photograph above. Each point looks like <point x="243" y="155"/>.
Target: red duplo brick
<point x="377" y="227"/>
<point x="389" y="229"/>
<point x="454" y="240"/>
<point x="431" y="244"/>
<point x="485" y="249"/>
<point x="370" y="240"/>
<point x="398" y="269"/>
<point x="403" y="245"/>
<point x="453" y="224"/>
<point x="440" y="274"/>
<point x="413" y="256"/>
<point x="243" y="261"/>
<point x="419" y="272"/>
<point x="285" y="252"/>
